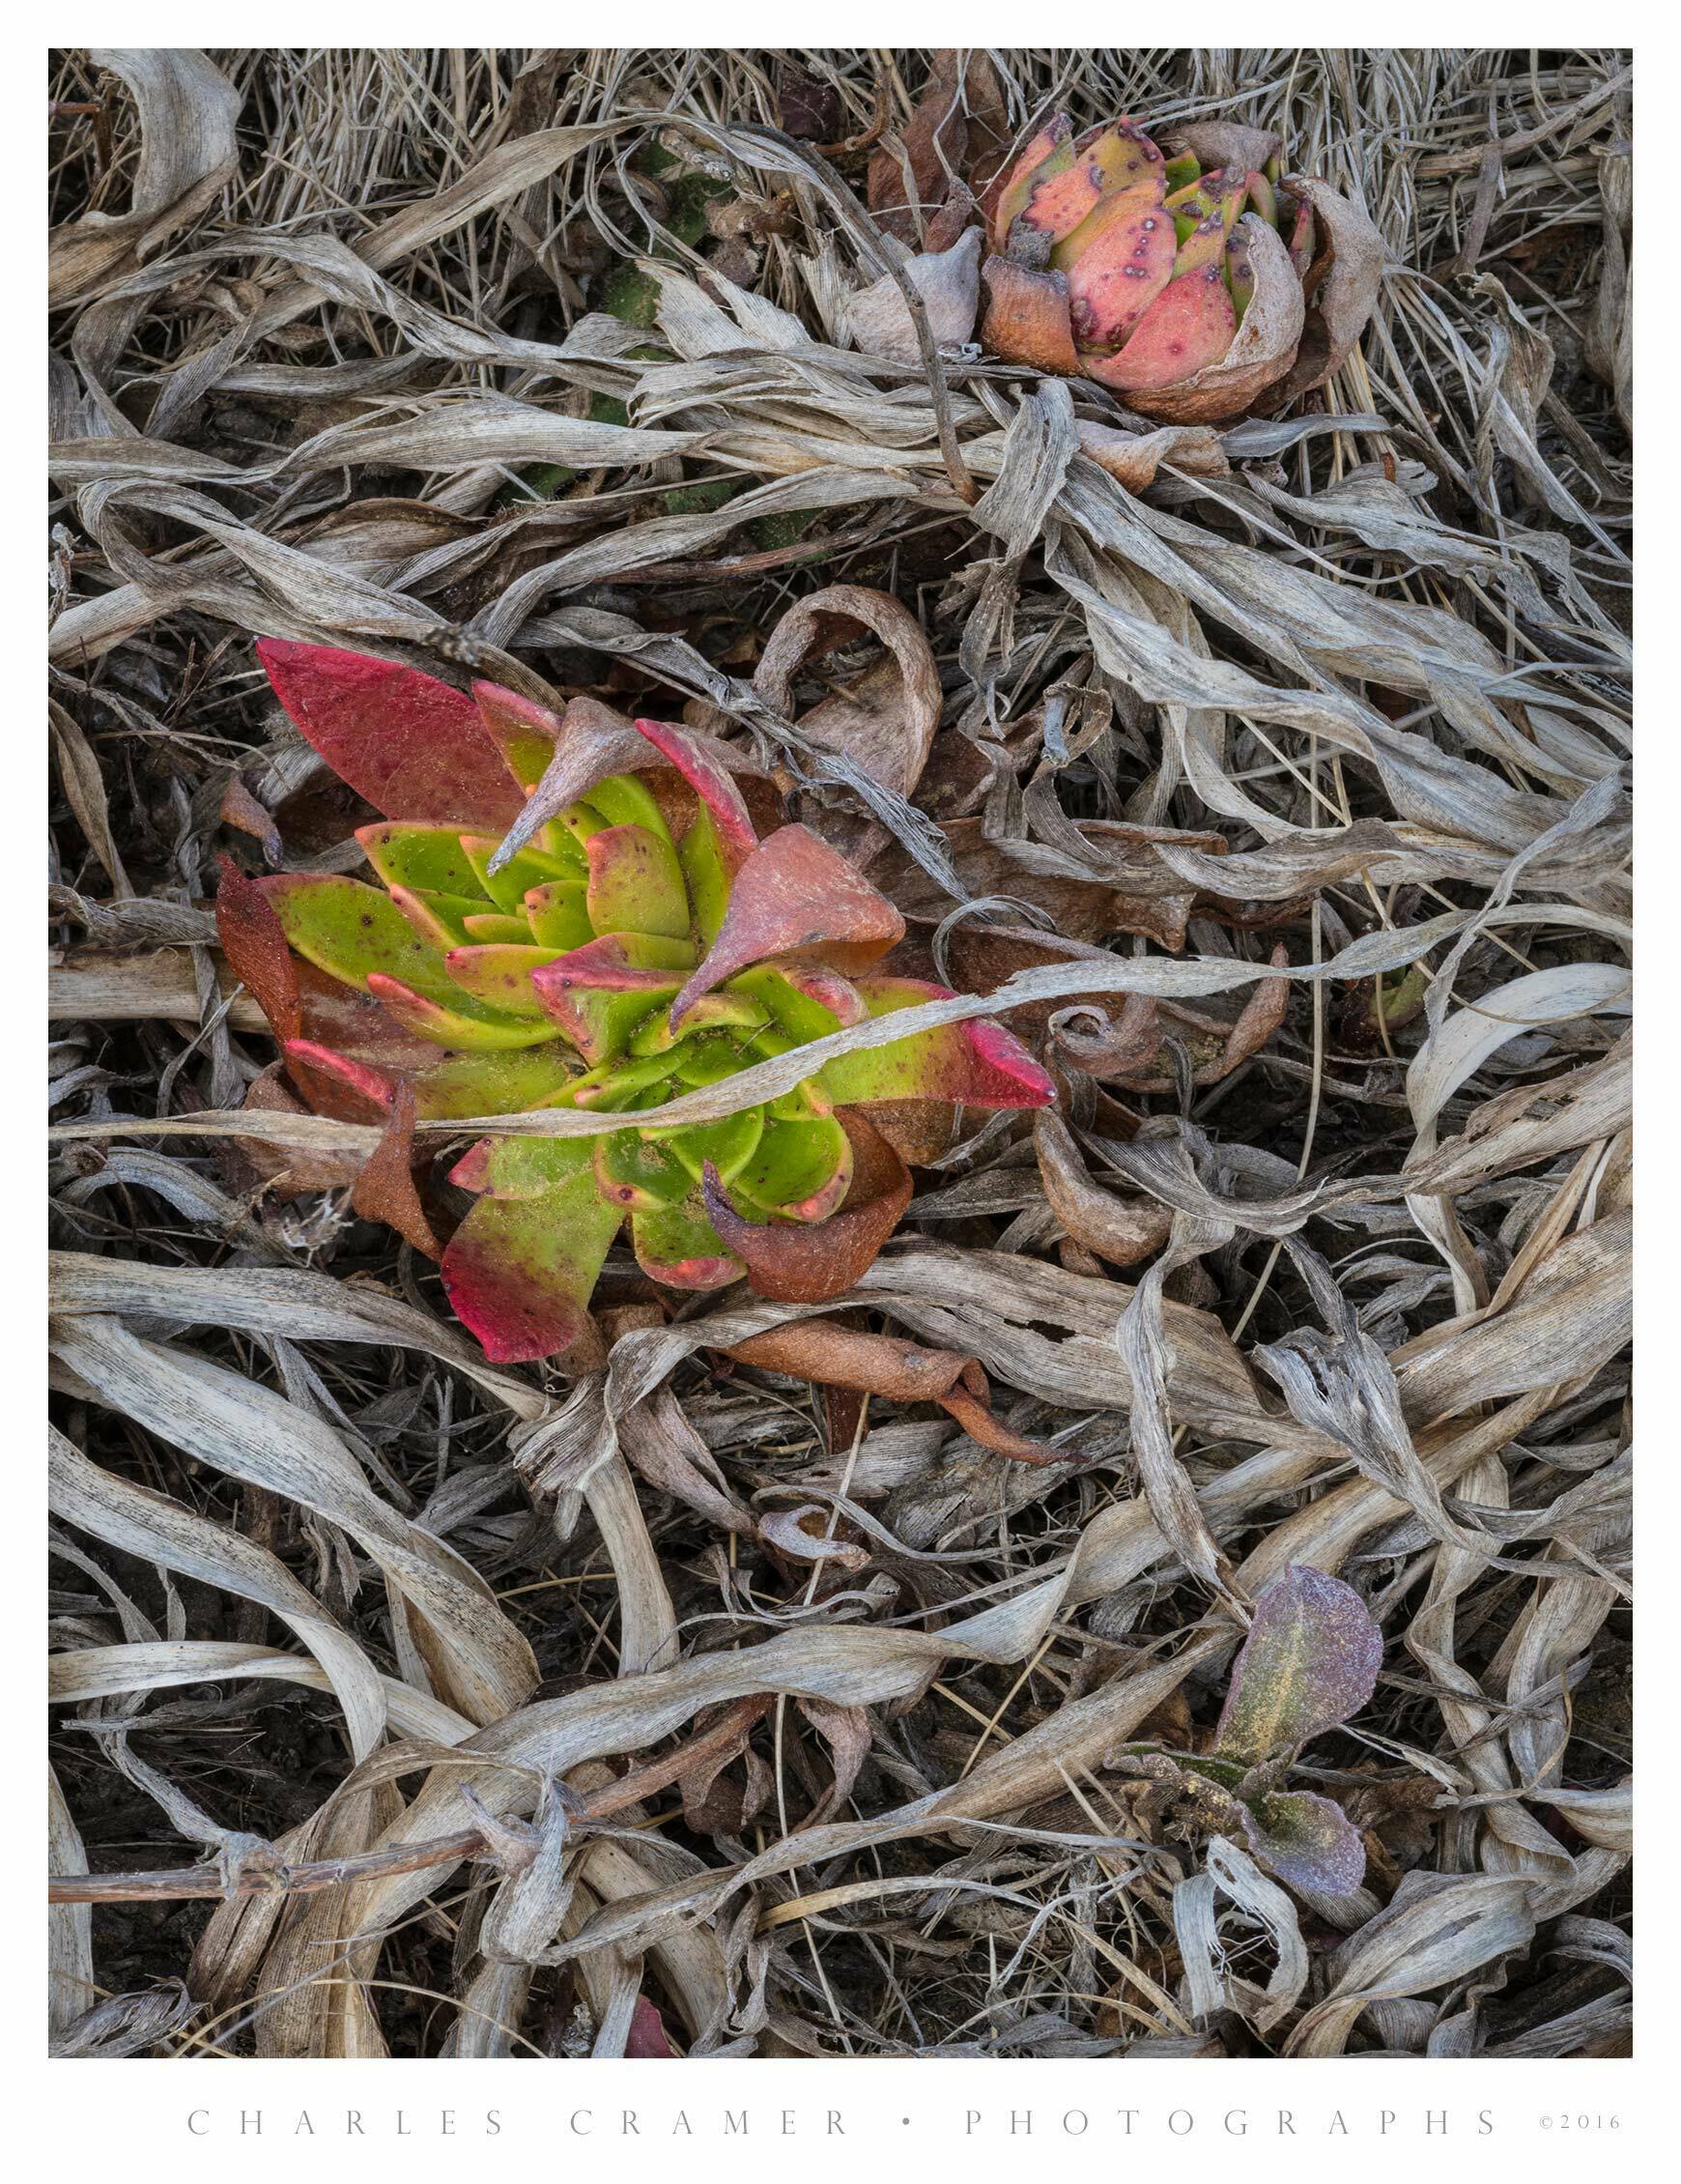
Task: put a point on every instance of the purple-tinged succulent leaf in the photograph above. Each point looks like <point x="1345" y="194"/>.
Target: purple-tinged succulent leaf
<point x="600" y="994"/>
<point x="1224" y="193"/>
<point x="1048" y="152"/>
<point x="413" y="746"/>
<point x="635" y="883"/>
<point x="805" y="1001"/>
<point x="1263" y="199"/>
<point x="522" y="1167"/>
<point x="520" y="1271"/>
<point x="1125" y="206"/>
<point x="1240" y="273"/>
<point x="977" y="1064"/>
<point x="1310" y="1661"/>
<point x="352" y="932"/>
<point x="795" y="895"/>
<point x="1301" y="238"/>
<point x="1107" y="162"/>
<point x="1306" y="1840"/>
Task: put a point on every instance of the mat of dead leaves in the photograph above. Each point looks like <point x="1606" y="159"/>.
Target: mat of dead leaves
<point x="694" y="1704"/>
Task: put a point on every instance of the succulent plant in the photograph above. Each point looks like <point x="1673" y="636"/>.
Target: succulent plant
<point x="579" y="912"/>
<point x="1198" y="284"/>
<point x="1309" y="1663"/>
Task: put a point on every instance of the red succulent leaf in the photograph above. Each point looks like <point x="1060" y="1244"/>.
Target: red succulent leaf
<point x="385" y="1190"/>
<point x="520" y="1271"/>
<point x="1191" y="325"/>
<point x="647" y="2036"/>
<point x="254" y="941"/>
<point x="335" y="1085"/>
<point x="700" y="768"/>
<point x="413" y="746"/>
<point x="793" y="1263"/>
<point x="795" y="896"/>
<point x="524" y="732"/>
<point x="1116" y="278"/>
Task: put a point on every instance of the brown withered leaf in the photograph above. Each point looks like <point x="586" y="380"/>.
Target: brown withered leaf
<point x="839" y="1356"/>
<point x="885" y="720"/>
<point x="1121" y="1230"/>
<point x="959" y="127"/>
<point x="797" y="1263"/>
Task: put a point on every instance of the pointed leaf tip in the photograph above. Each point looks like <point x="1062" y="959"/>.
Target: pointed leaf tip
<point x="796" y="895"/>
<point x="710" y="782"/>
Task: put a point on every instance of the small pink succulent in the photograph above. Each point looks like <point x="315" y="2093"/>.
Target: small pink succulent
<point x="1197" y="285"/>
<point x="578" y="912"/>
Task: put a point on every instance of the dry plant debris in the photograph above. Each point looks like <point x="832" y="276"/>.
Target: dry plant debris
<point x="735" y="1686"/>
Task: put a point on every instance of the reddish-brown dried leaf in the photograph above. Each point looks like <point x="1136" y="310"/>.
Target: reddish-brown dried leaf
<point x="254" y="942"/>
<point x="797" y="1264"/>
<point x="886" y="719"/>
<point x="1026" y="317"/>
<point x="385" y="1189"/>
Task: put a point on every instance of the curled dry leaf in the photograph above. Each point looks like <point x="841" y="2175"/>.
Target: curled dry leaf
<point x="877" y="319"/>
<point x="886" y="719"/>
<point x="1121" y="1230"/>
